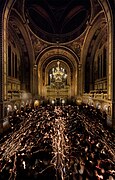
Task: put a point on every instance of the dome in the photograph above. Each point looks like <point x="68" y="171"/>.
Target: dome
<point x="59" y="20"/>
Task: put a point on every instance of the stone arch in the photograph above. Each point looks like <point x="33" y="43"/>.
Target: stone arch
<point x="93" y="29"/>
<point x="58" y="50"/>
<point x="66" y="55"/>
<point x="108" y="19"/>
<point x="26" y="44"/>
<point x="5" y="17"/>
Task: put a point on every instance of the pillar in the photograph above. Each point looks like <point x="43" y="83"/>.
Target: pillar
<point x="1" y="78"/>
<point x="35" y="82"/>
<point x="113" y="75"/>
<point x="79" y="81"/>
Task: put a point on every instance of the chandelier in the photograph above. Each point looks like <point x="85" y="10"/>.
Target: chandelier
<point x="58" y="76"/>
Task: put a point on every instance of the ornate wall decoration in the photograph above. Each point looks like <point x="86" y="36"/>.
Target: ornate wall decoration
<point x="76" y="46"/>
<point x="38" y="45"/>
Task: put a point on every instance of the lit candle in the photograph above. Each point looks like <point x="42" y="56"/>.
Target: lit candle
<point x="24" y="164"/>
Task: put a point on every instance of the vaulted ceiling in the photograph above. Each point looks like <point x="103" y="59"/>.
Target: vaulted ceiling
<point x="59" y="20"/>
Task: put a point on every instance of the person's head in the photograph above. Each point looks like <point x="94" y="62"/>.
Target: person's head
<point x="111" y="178"/>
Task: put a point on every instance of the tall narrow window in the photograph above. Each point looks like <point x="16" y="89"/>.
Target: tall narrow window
<point x="104" y="62"/>
<point x="95" y="70"/>
<point x="18" y="68"/>
<point x="15" y="65"/>
<point x="98" y="67"/>
<point x="13" y="70"/>
<point x="101" y="66"/>
<point x="9" y="60"/>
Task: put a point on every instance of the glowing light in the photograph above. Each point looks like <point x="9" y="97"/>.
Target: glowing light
<point x="24" y="95"/>
<point x="9" y="108"/>
<point x="53" y="101"/>
<point x="24" y="164"/>
<point x="36" y="103"/>
<point x="63" y="101"/>
<point x="58" y="74"/>
<point x="15" y="107"/>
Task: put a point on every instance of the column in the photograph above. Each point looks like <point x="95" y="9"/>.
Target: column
<point x="79" y="81"/>
<point x="1" y="79"/>
<point x="35" y="82"/>
<point x="113" y="78"/>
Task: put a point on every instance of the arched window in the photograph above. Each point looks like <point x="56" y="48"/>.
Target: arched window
<point x="104" y="62"/>
<point x="15" y="65"/>
<point x="9" y="60"/>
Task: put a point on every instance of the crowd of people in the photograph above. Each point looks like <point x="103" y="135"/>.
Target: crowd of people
<point x="51" y="142"/>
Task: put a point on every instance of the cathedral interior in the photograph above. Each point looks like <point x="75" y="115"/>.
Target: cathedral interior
<point x="56" y="53"/>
